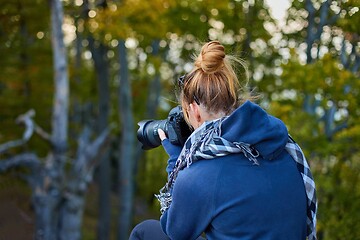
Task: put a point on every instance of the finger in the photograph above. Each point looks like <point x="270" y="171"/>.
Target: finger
<point x="162" y="134"/>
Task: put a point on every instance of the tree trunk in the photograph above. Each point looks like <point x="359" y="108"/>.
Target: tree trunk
<point x="155" y="87"/>
<point x="48" y="197"/>
<point x="102" y="71"/>
<point x="72" y="212"/>
<point x="126" y="147"/>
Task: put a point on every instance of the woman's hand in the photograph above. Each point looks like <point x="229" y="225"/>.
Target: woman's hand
<point x="172" y="150"/>
<point x="162" y="134"/>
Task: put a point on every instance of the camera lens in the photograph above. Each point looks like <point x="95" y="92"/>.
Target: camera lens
<point x="175" y="128"/>
<point x="147" y="133"/>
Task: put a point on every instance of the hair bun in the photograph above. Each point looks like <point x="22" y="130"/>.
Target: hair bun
<point x="211" y="57"/>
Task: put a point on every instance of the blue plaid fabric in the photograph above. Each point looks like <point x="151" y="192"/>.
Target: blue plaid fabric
<point x="206" y="143"/>
<point x="296" y="153"/>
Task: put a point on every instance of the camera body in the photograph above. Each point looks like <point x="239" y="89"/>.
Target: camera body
<point x="175" y="128"/>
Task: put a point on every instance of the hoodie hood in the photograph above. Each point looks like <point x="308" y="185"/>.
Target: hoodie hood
<point x="251" y="124"/>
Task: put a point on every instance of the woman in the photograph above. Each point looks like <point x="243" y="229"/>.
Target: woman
<point x="239" y="175"/>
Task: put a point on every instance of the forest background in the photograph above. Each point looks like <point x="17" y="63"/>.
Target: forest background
<point x="77" y="76"/>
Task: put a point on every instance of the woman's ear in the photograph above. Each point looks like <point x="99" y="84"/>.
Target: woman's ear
<point x="196" y="110"/>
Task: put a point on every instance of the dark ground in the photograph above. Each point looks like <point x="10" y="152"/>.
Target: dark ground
<point x="16" y="215"/>
<point x="17" y="220"/>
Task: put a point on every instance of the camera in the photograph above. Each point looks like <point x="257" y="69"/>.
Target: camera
<point x="175" y="128"/>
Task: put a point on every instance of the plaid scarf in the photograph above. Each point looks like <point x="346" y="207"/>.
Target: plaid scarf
<point x="296" y="153"/>
<point x="206" y="143"/>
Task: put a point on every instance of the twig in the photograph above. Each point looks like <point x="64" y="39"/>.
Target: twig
<point x="41" y="132"/>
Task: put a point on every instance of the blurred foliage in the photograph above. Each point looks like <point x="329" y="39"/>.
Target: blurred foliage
<point x="351" y="17"/>
<point x="339" y="193"/>
<point x="26" y="79"/>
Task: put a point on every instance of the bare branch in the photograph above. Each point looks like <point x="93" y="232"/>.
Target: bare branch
<point x="25" y="159"/>
<point x="86" y="160"/>
<point x="25" y="119"/>
<point x="93" y="149"/>
<point x="41" y="132"/>
<point x="83" y="140"/>
<point x="11" y="144"/>
<point x="30" y="127"/>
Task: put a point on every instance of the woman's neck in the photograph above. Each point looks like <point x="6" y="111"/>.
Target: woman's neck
<point x="207" y="116"/>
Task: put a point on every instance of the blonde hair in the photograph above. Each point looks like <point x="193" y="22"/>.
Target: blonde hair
<point x="213" y="81"/>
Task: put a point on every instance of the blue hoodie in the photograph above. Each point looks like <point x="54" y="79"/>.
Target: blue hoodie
<point x="232" y="198"/>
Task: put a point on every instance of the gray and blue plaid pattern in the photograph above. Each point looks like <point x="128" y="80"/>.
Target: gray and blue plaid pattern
<point x="296" y="153"/>
<point x="206" y="143"/>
